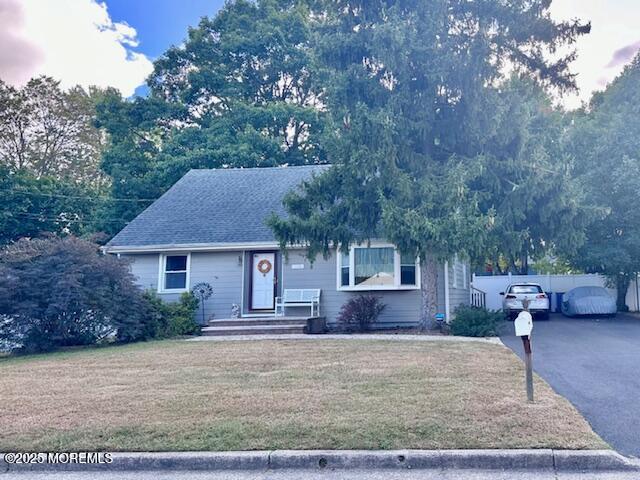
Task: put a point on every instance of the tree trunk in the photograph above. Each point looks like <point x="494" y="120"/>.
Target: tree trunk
<point x="524" y="264"/>
<point x="429" y="292"/>
<point x="622" y="285"/>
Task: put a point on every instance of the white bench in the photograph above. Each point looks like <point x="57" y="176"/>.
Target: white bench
<point x="299" y="297"/>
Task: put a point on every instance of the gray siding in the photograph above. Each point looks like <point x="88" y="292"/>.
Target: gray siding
<point x="222" y="270"/>
<point x="402" y="306"/>
<point x="145" y="268"/>
<point x="458" y="295"/>
<point x="225" y="272"/>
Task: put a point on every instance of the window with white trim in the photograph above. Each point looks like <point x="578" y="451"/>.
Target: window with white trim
<point x="459" y="273"/>
<point x="344" y="269"/>
<point x="174" y="273"/>
<point x="378" y="267"/>
<point x="455" y="273"/>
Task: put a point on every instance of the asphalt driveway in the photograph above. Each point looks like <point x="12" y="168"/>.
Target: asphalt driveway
<point x="595" y="364"/>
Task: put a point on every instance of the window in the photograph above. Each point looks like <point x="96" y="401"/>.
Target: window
<point x="376" y="268"/>
<point x="459" y="273"/>
<point x="344" y="269"/>
<point x="407" y="270"/>
<point x="456" y="280"/>
<point x="174" y="273"/>
<point x="525" y="289"/>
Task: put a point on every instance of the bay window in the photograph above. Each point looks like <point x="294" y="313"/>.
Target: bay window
<point x="378" y="267"/>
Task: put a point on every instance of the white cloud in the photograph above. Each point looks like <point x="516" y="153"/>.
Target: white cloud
<point x="74" y="41"/>
<point x="604" y="52"/>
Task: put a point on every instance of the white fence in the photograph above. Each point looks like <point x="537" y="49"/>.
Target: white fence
<point x="553" y="284"/>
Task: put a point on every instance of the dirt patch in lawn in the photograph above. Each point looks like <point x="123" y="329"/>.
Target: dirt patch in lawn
<point x="177" y="395"/>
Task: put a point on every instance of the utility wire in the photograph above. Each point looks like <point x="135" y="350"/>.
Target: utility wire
<point x="35" y="216"/>
<point x="80" y="197"/>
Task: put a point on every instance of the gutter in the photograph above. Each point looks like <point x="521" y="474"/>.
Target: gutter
<point x="447" y="306"/>
<point x="188" y="247"/>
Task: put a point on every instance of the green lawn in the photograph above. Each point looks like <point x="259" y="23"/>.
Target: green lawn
<point x="177" y="395"/>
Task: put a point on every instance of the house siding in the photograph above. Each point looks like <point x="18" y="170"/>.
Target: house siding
<point x="458" y="292"/>
<point x="224" y="271"/>
<point x="402" y="306"/>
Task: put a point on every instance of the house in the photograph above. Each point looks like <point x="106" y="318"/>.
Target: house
<point x="210" y="227"/>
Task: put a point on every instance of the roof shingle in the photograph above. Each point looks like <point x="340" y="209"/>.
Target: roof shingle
<point x="219" y="206"/>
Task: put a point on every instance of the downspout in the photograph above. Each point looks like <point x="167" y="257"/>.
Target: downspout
<point x="637" y="295"/>
<point x="446" y="292"/>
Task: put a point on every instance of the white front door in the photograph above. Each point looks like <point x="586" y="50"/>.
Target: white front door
<point x="263" y="267"/>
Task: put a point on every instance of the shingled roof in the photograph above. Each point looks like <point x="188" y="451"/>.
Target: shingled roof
<point x="222" y="206"/>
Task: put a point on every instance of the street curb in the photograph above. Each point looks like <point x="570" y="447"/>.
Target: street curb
<point x="542" y="459"/>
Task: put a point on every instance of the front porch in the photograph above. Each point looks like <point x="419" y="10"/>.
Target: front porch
<point x="266" y="325"/>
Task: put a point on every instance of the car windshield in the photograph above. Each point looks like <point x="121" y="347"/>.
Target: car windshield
<point x="525" y="289"/>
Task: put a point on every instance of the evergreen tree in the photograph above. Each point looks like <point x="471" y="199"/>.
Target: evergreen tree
<point x="405" y="84"/>
<point x="529" y="179"/>
<point x="606" y="141"/>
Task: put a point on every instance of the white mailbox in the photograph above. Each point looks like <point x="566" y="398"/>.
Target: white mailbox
<point x="523" y="324"/>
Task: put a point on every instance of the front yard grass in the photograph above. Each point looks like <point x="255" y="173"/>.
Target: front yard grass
<point x="335" y="394"/>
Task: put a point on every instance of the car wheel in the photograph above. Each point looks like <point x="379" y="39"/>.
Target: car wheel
<point x="544" y="316"/>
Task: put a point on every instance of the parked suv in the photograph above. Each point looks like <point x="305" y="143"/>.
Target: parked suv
<point x="515" y="293"/>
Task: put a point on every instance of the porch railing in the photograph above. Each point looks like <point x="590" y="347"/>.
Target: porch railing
<point x="478" y="297"/>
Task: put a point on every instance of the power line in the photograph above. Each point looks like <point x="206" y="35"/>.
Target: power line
<point x="35" y="216"/>
<point x="81" y="197"/>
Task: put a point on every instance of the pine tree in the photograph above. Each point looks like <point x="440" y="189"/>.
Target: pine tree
<point x="405" y="84"/>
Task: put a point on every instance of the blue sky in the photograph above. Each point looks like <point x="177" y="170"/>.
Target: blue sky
<point x="114" y="42"/>
<point x="161" y="23"/>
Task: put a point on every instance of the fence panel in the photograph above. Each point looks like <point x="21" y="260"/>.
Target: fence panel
<point x="553" y="284"/>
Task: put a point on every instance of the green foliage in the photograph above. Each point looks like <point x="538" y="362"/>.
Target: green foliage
<point x="529" y="180"/>
<point x="359" y="313"/>
<point x="172" y="319"/>
<point x="408" y="86"/>
<point x="61" y="292"/>
<point x="31" y="206"/>
<point x="238" y="93"/>
<point x="606" y="142"/>
<point x="50" y="132"/>
<point x="476" y="322"/>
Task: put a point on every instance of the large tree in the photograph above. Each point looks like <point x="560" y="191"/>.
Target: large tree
<point x="238" y="93"/>
<point x="606" y="141"/>
<point x="540" y="208"/>
<point x="32" y="206"/>
<point x="406" y="85"/>
<point x="50" y="132"/>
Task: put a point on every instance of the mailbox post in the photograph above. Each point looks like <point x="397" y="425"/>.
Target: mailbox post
<point x="524" y="326"/>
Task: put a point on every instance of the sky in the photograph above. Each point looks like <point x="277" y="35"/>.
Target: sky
<point x="114" y="42"/>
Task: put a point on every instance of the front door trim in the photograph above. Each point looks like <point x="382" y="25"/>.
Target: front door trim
<point x="276" y="276"/>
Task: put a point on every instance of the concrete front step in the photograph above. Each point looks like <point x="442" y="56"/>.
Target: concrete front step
<point x="253" y="329"/>
<point x="246" y="322"/>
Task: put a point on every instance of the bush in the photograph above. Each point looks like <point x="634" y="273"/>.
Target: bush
<point x="61" y="292"/>
<point x="172" y="319"/>
<point x="476" y="322"/>
<point x="359" y="313"/>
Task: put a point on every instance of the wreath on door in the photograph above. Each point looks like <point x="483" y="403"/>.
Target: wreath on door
<point x="264" y="266"/>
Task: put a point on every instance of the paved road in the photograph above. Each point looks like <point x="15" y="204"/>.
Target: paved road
<point x="330" y="475"/>
<point x="595" y="363"/>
